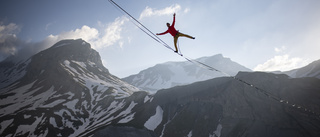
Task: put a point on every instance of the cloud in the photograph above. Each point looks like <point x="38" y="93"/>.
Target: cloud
<point x="9" y="30"/>
<point x="9" y="44"/>
<point x="107" y="34"/>
<point x="48" y="26"/>
<point x="85" y="32"/>
<point x="112" y="33"/>
<point x="279" y="50"/>
<point x="8" y="47"/>
<point x="281" y="63"/>
<point x="121" y="44"/>
<point x="186" y="10"/>
<point x="147" y="12"/>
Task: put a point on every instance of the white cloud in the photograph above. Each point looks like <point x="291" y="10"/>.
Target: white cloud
<point x="85" y="32"/>
<point x="186" y="10"/>
<point x="121" y="44"/>
<point x="9" y="44"/>
<point x="147" y="12"/>
<point x="281" y="63"/>
<point x="279" y="50"/>
<point x="47" y="26"/>
<point x="111" y="35"/>
<point x="129" y="39"/>
<point x="9" y="30"/>
<point x="100" y="24"/>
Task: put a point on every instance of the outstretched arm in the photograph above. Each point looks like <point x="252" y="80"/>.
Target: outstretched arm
<point x="174" y="19"/>
<point x="163" y="32"/>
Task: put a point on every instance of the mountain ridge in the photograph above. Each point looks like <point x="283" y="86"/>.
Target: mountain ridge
<point x="67" y="88"/>
<point x="227" y="107"/>
<point x="310" y="70"/>
<point x="171" y="74"/>
<point x="66" y="91"/>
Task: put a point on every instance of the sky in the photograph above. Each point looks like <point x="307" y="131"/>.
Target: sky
<point x="263" y="35"/>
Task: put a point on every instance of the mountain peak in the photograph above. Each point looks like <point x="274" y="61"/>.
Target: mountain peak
<point x="171" y="74"/>
<point x="73" y="49"/>
<point x="68" y="42"/>
<point x="56" y="58"/>
<point x="64" y="84"/>
<point x="77" y="50"/>
<point x="217" y="56"/>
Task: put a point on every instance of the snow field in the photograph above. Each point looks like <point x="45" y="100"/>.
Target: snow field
<point x="153" y="122"/>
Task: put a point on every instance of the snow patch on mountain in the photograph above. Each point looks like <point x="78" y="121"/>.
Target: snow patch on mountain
<point x="4" y="124"/>
<point x="9" y="75"/>
<point x="217" y="132"/>
<point x="147" y="98"/>
<point x="105" y="117"/>
<point x="88" y="79"/>
<point x="65" y="88"/>
<point x="68" y="92"/>
<point x="23" y="98"/>
<point x="190" y="134"/>
<point x="153" y="122"/>
<point x="126" y="113"/>
<point x="23" y="129"/>
<point x="60" y="45"/>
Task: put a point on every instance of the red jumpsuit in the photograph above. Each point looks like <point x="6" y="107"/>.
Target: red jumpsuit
<point x="176" y="34"/>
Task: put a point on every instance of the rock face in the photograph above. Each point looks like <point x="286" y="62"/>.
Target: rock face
<point x="172" y="74"/>
<point x="66" y="91"/>
<point x="61" y="91"/>
<point x="227" y="107"/>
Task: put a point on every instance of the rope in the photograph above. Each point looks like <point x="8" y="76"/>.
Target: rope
<point x="205" y="66"/>
<point x="147" y="31"/>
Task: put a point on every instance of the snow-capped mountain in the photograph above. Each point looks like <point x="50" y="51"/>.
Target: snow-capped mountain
<point x="171" y="74"/>
<point x="62" y="91"/>
<point x="224" y="107"/>
<point x="311" y="70"/>
<point x="66" y="91"/>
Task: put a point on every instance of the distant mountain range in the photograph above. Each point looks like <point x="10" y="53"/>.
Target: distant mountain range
<point x="172" y="74"/>
<point x="66" y="91"/>
<point x="311" y="70"/>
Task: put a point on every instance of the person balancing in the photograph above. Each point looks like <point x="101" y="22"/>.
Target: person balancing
<point x="176" y="34"/>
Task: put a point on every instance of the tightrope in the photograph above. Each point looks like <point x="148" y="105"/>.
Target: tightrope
<point x="208" y="67"/>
